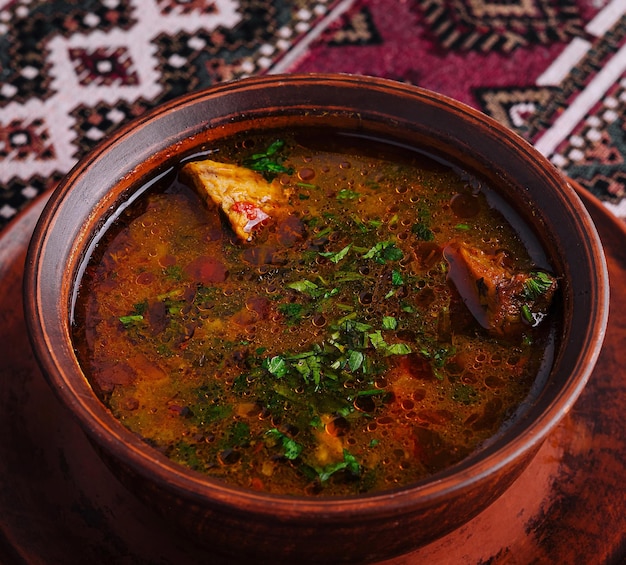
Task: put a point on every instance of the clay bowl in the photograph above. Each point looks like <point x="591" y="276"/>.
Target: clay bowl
<point x="245" y="525"/>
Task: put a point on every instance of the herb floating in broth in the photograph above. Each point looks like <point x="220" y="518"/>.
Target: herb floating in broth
<point x="268" y="163"/>
<point x="323" y="316"/>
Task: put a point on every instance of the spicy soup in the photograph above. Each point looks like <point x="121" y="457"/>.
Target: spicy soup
<point x="304" y="314"/>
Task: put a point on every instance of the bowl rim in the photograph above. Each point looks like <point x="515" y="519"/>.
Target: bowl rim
<point x="104" y="428"/>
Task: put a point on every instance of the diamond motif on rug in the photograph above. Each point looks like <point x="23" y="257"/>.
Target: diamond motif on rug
<point x="357" y="27"/>
<point x="21" y="139"/>
<point x="514" y="107"/>
<point x="92" y="123"/>
<point x="30" y="29"/>
<point x="18" y="190"/>
<point x="486" y="26"/>
<point x="104" y="66"/>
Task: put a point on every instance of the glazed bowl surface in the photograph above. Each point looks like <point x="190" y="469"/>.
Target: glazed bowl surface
<point x="241" y="525"/>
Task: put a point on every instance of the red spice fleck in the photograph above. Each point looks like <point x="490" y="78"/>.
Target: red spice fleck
<point x="248" y="209"/>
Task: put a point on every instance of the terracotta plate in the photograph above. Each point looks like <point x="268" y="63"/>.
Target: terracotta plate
<point x="59" y="504"/>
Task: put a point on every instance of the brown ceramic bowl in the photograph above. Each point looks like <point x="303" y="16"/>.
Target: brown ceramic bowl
<point x="246" y="525"/>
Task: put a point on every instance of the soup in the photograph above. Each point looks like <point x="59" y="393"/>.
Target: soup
<point x="301" y="313"/>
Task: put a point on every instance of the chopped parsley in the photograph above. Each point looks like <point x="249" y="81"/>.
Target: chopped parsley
<point x="422" y="231"/>
<point x="336" y="256"/>
<point x="384" y="251"/>
<point x="379" y="342"/>
<point x="396" y="278"/>
<point x="293" y="311"/>
<point x="347" y="194"/>
<point x="537" y="284"/>
<point x="174" y="272"/>
<point x="139" y="309"/>
<point x="269" y="163"/>
<point x="291" y="449"/>
<point x="349" y="463"/>
<point x="131" y="319"/>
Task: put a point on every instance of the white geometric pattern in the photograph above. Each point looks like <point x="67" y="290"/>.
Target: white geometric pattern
<point x="69" y="92"/>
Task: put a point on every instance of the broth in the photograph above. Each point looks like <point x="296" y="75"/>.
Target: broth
<point x="372" y="323"/>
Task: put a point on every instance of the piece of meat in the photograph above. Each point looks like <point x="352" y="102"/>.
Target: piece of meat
<point x="247" y="199"/>
<point x="500" y="300"/>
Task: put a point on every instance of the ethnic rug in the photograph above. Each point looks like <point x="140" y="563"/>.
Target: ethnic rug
<point x="71" y="72"/>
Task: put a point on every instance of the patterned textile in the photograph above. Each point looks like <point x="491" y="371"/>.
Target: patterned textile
<point x="71" y="72"/>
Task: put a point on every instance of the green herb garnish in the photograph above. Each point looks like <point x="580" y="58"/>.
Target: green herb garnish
<point x="527" y="314"/>
<point x="349" y="463"/>
<point x="336" y="256"/>
<point x="378" y="342"/>
<point x="539" y="283"/>
<point x="291" y="449"/>
<point x="355" y="360"/>
<point x="304" y="286"/>
<point x="396" y="278"/>
<point x="347" y="194"/>
<point x="130" y="320"/>
<point x="269" y="163"/>
<point x="292" y="311"/>
<point x="422" y="231"/>
<point x="139" y="309"/>
<point x="384" y="251"/>
<point x="276" y="366"/>
<point x="313" y="290"/>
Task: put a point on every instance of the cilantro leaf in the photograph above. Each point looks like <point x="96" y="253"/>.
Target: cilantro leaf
<point x="139" y="309"/>
<point x="336" y="256"/>
<point x="396" y="278"/>
<point x="422" y="231"/>
<point x="292" y="311"/>
<point x="349" y="463"/>
<point x="310" y="368"/>
<point x="304" y="285"/>
<point x="291" y="449"/>
<point x="384" y="251"/>
<point x="355" y="360"/>
<point x="347" y="194"/>
<point x="378" y="342"/>
<point x="276" y="366"/>
<point x="539" y="283"/>
<point x="128" y="321"/>
<point x="314" y="291"/>
<point x="268" y="163"/>
<point x="398" y="349"/>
